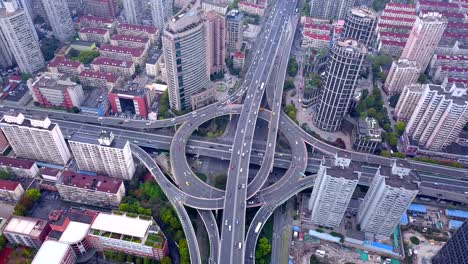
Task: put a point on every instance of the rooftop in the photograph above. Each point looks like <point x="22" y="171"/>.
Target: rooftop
<point x="112" y="62"/>
<point x="54" y="81"/>
<point x="369" y="128"/>
<point x="238" y="55"/>
<point x="404" y="19"/>
<point x="61" y="61"/>
<point x="154" y="57"/>
<point x="95" y="98"/>
<point x="393" y="42"/>
<point x="88" y="139"/>
<point x="90" y="30"/>
<point x="317" y="26"/>
<point x="251" y="5"/>
<point x="135" y="52"/>
<point x="129" y="38"/>
<point x="27" y="122"/>
<point x="95" y="19"/>
<point x="352" y="45"/>
<point x="8" y="185"/>
<point x="121" y="224"/>
<point x="147" y="29"/>
<point x="51" y="252"/>
<point x="75" y="232"/>
<point x="234" y="15"/>
<point x="16" y="163"/>
<point x="393" y="34"/>
<point x="363" y="12"/>
<point x="109" y="77"/>
<point x="317" y="36"/>
<point x="50" y="171"/>
<point x="97" y="183"/>
<point x="25" y="225"/>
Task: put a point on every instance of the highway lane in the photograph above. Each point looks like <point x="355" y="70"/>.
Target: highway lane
<point x="213" y="233"/>
<point x="232" y="234"/>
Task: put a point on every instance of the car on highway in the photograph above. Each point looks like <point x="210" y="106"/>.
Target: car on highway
<point x="187" y="183"/>
<point x="230" y="228"/>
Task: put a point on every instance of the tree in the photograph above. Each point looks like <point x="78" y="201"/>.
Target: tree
<point x="34" y="194"/>
<point x="385" y="153"/>
<point x="6" y="175"/>
<point x="422" y="78"/>
<point x="48" y="47"/>
<point x="86" y="56"/>
<point x="263" y="248"/>
<point x="289" y="85"/>
<point x="393" y="139"/>
<point x="292" y="67"/>
<point x="123" y="207"/>
<point x="164" y="104"/>
<point x="25" y="76"/>
<point x="184" y="252"/>
<point x="147" y="261"/>
<point x="120" y="257"/>
<point x="129" y="258"/>
<point x="75" y="110"/>
<point x="400" y="127"/>
<point x="2" y="242"/>
<point x="165" y="260"/>
<point x="393" y="100"/>
<point x="399" y="155"/>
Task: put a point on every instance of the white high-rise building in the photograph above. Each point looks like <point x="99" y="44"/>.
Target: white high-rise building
<point x="161" y="11"/>
<point x="437" y="117"/>
<point x="6" y="57"/>
<point x="386" y="200"/>
<point x="103" y="154"/>
<point x="19" y="36"/>
<point x="35" y="138"/>
<point x="402" y="73"/>
<point x="185" y="53"/>
<point x="134" y="11"/>
<point x="60" y="20"/>
<point x="423" y="39"/>
<point x="331" y="194"/>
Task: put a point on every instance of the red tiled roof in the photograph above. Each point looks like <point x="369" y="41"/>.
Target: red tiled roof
<point x="454" y="58"/>
<point x="455" y="35"/>
<point x="98" y="183"/>
<point x="385" y="25"/>
<point x="96" y="19"/>
<point x="338" y="30"/>
<point x="238" y="55"/>
<point x="400" y="5"/>
<point x="393" y="34"/>
<point x="457" y="25"/>
<point x="112" y="62"/>
<point x="148" y="29"/>
<point x="397" y="18"/>
<point x="8" y="185"/>
<point x="109" y="77"/>
<point x="315" y="26"/>
<point x="89" y="30"/>
<point x="317" y="36"/>
<point x="393" y="43"/>
<point x="61" y="61"/>
<point x="135" y="52"/>
<point x="455" y="80"/>
<point x="50" y="171"/>
<point x="447" y="14"/>
<point x="129" y="38"/>
<point x="16" y="163"/>
<point x="454" y="69"/>
<point x="439" y="4"/>
<point x="393" y="11"/>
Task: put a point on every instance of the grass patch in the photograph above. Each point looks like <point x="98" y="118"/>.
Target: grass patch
<point x="415" y="240"/>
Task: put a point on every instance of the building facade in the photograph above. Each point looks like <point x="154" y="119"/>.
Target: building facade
<point x="98" y="35"/>
<point x="454" y="251"/>
<point x="161" y="11"/>
<point x="439" y="115"/>
<point x="366" y="135"/>
<point x="35" y="138"/>
<point x="360" y="24"/>
<point x="103" y="154"/>
<point x="136" y="55"/>
<point x="30" y="232"/>
<point x="331" y="194"/>
<point x="401" y="74"/>
<point x="107" y="80"/>
<point x="185" y="54"/>
<point x="53" y="252"/>
<point x="60" y="20"/>
<point x="385" y="202"/>
<point x="339" y="83"/>
<point x="234" y="30"/>
<point x="92" y="190"/>
<point x="134" y="11"/>
<point x="203" y="98"/>
<point x="409" y="98"/>
<point x="19" y="167"/>
<point x="10" y="191"/>
<point x="115" y="66"/>
<point x="100" y="8"/>
<point x="56" y="90"/>
<point x="21" y="38"/>
<point x="216" y="35"/>
<point x="136" y="30"/>
<point x="65" y="66"/>
<point x="130" y="41"/>
<point x="133" y="101"/>
<point x="424" y="37"/>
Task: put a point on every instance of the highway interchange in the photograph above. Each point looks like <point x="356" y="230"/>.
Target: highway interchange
<point x="265" y="74"/>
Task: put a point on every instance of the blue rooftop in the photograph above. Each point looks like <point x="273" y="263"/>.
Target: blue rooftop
<point x="378" y="245"/>
<point x="454" y="224"/>
<point x="404" y="219"/>
<point x="456" y="213"/>
<point x="418" y="208"/>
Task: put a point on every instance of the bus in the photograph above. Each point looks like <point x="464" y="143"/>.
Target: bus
<point x="257" y="228"/>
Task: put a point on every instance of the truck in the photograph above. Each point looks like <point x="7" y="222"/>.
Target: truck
<point x="295" y="234"/>
<point x="257" y="228"/>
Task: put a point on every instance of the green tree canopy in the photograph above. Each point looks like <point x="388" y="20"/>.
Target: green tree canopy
<point x="400" y="127"/>
<point x="292" y="67"/>
<point x="263" y="248"/>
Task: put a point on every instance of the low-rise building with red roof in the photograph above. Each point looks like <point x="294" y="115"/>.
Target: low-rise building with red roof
<point x="316" y="41"/>
<point x="391" y="47"/>
<point x="98" y="79"/>
<point x="130" y="41"/>
<point x="251" y="8"/>
<point x="238" y="59"/>
<point x="443" y="72"/>
<point x="138" y="30"/>
<point x="137" y="55"/>
<point x="63" y="65"/>
<point x="118" y="67"/>
<point x="95" y="22"/>
<point x="19" y="167"/>
<point x="98" y="35"/>
<point x="10" y="191"/>
<point x="94" y="190"/>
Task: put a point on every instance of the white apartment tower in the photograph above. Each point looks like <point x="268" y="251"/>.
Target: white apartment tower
<point x="424" y="38"/>
<point x="60" y="20"/>
<point x="331" y="194"/>
<point x="409" y="98"/>
<point x="185" y="53"/>
<point x="35" y="138"/>
<point x="161" y="11"/>
<point x="385" y="202"/>
<point x="19" y="38"/>
<point x="133" y="11"/>
<point x="439" y="115"/>
<point x="103" y="154"/>
<point x="403" y="72"/>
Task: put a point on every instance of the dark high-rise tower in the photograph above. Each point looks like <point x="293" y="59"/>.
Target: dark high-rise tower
<point x="360" y="24"/>
<point x="343" y="69"/>
<point x="456" y="249"/>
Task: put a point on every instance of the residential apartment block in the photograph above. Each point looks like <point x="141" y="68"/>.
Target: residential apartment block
<point x="30" y="232"/>
<point x="101" y="8"/>
<point x="130" y="41"/>
<point x="93" y="190"/>
<point x="402" y="73"/>
<point x="234" y="30"/>
<point x="152" y="33"/>
<point x="118" y="67"/>
<point x="367" y="135"/>
<point x="331" y="194"/>
<point x="107" y="80"/>
<point x="98" y="35"/>
<point x="10" y="191"/>
<point x="95" y="22"/>
<point x="59" y="18"/>
<point x="35" y="138"/>
<point x="103" y="154"/>
<point x="19" y="167"/>
<point x="216" y="28"/>
<point x="136" y="55"/>
<point x="65" y="66"/>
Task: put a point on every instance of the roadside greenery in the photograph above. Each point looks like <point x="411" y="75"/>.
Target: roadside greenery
<point x="292" y="67"/>
<point x="27" y="202"/>
<point x="288" y="85"/>
<point x="48" y="47"/>
<point x="291" y="111"/>
<point x="122" y="257"/>
<point x="6" y="175"/>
